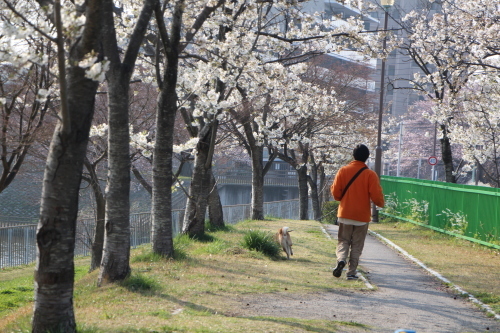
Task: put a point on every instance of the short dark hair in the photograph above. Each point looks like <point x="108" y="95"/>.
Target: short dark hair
<point x="361" y="153"/>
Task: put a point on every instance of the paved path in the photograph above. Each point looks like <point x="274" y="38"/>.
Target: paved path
<point x="410" y="298"/>
<point x="406" y="297"/>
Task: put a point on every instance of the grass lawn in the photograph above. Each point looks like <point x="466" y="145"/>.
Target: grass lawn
<point x="199" y="291"/>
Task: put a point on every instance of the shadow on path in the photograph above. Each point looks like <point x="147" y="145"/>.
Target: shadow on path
<point x="406" y="297"/>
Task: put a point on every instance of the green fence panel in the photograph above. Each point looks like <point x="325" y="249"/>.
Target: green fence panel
<point x="471" y="211"/>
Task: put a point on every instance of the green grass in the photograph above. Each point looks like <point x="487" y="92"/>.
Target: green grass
<point x="261" y="241"/>
<point x="199" y="289"/>
<point x="17" y="286"/>
<point x="138" y="282"/>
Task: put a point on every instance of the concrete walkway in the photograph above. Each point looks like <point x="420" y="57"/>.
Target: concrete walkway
<point x="406" y="297"/>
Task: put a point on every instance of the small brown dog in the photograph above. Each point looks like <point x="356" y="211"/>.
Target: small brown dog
<point x="284" y="239"/>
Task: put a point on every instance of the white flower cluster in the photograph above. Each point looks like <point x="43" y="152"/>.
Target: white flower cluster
<point x="95" y="69"/>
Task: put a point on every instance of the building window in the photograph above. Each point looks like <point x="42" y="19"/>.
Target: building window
<point x="391" y="71"/>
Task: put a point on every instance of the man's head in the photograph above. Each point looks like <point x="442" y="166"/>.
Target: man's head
<point x="361" y="153"/>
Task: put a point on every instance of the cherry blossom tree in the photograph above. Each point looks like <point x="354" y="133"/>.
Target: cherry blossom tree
<point x="172" y="42"/>
<point x="80" y="29"/>
<point x="142" y="110"/>
<point x="449" y="46"/>
<point x="24" y="111"/>
<point x="77" y="33"/>
<point x="116" y="254"/>
<point x="248" y="65"/>
<point x="477" y="129"/>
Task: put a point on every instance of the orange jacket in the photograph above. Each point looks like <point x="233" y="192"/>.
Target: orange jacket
<point x="355" y="204"/>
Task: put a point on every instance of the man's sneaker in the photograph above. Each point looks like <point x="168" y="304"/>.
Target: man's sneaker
<point x="352" y="277"/>
<point x="337" y="271"/>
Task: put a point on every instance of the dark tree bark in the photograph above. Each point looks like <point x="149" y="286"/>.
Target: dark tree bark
<point x="256" y="151"/>
<point x="161" y="211"/>
<point x="324" y="186"/>
<point x="312" y="179"/>
<point x="115" y="264"/>
<point x="55" y="239"/>
<point x="98" y="241"/>
<point x="138" y="175"/>
<point x="167" y="108"/>
<point x="215" y="213"/>
<point x="447" y="156"/>
<point x="54" y="274"/>
<point x="194" y="218"/>
<point x="289" y="156"/>
<point x="303" y="193"/>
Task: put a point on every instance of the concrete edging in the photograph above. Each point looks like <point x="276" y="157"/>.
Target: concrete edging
<point x="485" y="307"/>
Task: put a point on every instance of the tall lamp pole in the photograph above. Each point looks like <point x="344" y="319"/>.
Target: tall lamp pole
<point x="387" y="4"/>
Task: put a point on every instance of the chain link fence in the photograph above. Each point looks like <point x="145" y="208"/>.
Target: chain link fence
<point x="17" y="236"/>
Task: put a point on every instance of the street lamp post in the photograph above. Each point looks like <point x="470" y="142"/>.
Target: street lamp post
<point x="387" y="4"/>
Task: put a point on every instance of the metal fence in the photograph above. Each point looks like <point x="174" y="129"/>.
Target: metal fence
<point x="17" y="238"/>
<point x="466" y="211"/>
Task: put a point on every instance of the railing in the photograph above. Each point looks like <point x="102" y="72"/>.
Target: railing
<point x="469" y="212"/>
<point x="14" y="221"/>
<point x="18" y="247"/>
<point x="247" y="180"/>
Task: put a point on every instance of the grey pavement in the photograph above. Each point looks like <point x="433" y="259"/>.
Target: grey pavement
<point x="405" y="297"/>
<point x="408" y="297"/>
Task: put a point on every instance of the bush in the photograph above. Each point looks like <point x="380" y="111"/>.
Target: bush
<point x="261" y="241"/>
<point x="329" y="212"/>
<point x="137" y="282"/>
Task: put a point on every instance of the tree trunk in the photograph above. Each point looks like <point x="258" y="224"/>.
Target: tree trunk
<point x="194" y="218"/>
<point x="115" y="261"/>
<point x="215" y="213"/>
<point x="313" y="184"/>
<point x="303" y="193"/>
<point x="55" y="239"/>
<point x="323" y="187"/>
<point x="138" y="175"/>
<point x="162" y="235"/>
<point x="115" y="264"/>
<point x="161" y="210"/>
<point x="257" y="183"/>
<point x="98" y="241"/>
<point x="447" y="156"/>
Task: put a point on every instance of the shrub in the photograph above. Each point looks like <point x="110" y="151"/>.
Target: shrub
<point x="140" y="283"/>
<point x="329" y="212"/>
<point x="261" y="241"/>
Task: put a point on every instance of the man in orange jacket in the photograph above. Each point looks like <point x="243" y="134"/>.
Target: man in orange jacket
<point x="355" y="186"/>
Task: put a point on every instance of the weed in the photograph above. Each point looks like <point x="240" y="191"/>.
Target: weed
<point x="147" y="256"/>
<point x="217" y="246"/>
<point x="204" y="238"/>
<point x="391" y="204"/>
<point x="262" y="242"/>
<point x="138" y="282"/>
<point x="417" y="210"/>
<point x="209" y="227"/>
<point x="86" y="329"/>
<point x="456" y="222"/>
